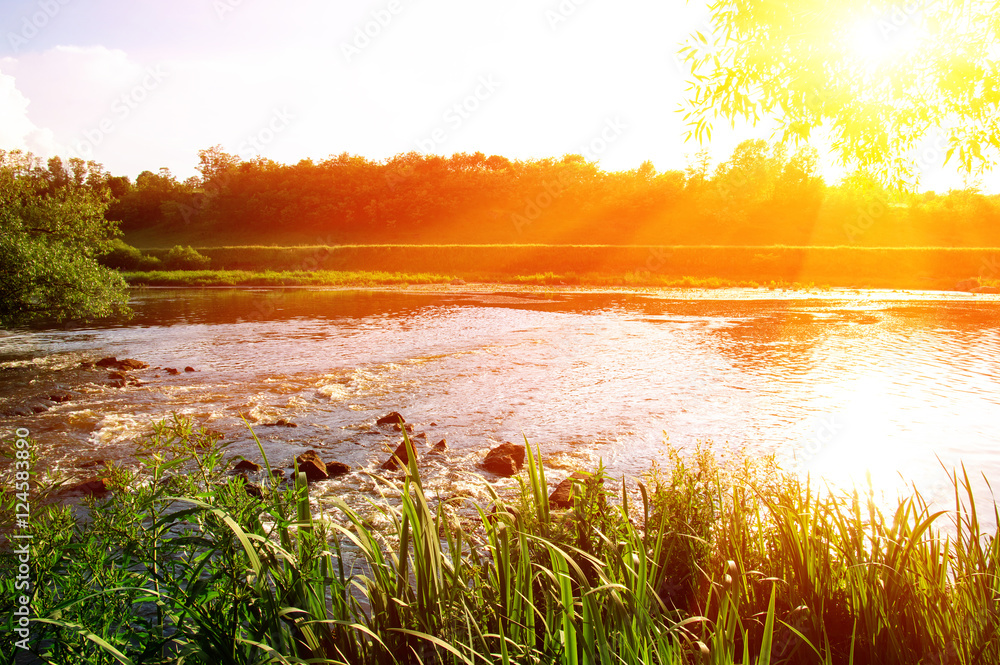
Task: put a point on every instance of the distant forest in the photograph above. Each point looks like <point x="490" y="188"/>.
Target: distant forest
<point x="761" y="195"/>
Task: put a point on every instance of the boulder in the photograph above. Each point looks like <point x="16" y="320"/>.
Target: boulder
<point x="310" y="463"/>
<point x="189" y="369"/>
<point x="439" y="448"/>
<point x="248" y="487"/>
<point x="967" y="284"/>
<point x="281" y="422"/>
<point x="247" y="466"/>
<point x="504" y="460"/>
<point x="391" y="418"/>
<point x="278" y="473"/>
<point x="59" y="396"/>
<point x="400" y="428"/>
<point x="95" y="487"/>
<point x="501" y="465"/>
<point x="334" y="469"/>
<point x="561" y="496"/>
<point x="110" y="361"/>
<point x="132" y="363"/>
<point x="402" y="454"/>
<point x="172" y="371"/>
<point x="38" y="407"/>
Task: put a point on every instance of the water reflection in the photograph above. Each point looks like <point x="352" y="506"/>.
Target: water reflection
<point x="842" y="384"/>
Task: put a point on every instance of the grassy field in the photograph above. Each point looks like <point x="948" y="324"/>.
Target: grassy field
<point x="930" y="267"/>
<point x="712" y="563"/>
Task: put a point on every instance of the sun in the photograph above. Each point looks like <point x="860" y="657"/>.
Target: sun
<point x="886" y="40"/>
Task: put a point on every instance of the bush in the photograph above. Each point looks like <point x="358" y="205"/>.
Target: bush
<point x="123" y="256"/>
<point x="185" y="258"/>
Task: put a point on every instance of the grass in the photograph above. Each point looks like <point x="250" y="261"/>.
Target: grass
<point x="708" y="563"/>
<point x="276" y="278"/>
<point x="906" y="267"/>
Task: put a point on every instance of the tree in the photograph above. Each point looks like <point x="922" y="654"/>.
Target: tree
<point x="896" y="83"/>
<point x="48" y="246"/>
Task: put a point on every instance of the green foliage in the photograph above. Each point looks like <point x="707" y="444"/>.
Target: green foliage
<point x="882" y="77"/>
<point x="53" y="230"/>
<point x="182" y="564"/>
<point x="185" y="258"/>
<point x="123" y="256"/>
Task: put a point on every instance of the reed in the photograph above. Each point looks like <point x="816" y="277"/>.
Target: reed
<point x="703" y="562"/>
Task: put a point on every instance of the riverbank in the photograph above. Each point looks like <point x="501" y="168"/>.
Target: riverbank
<point x="932" y="268"/>
<point x="723" y="562"/>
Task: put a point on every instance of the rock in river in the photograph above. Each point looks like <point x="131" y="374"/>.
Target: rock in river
<point x="504" y="460"/>
<point x="402" y="454"/>
<point x="310" y="463"/>
<point x="391" y="418"/>
<point x="246" y="465"/>
<point x="561" y="496"/>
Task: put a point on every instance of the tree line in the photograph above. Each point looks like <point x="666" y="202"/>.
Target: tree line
<point x="761" y="195"/>
<point x="59" y="217"/>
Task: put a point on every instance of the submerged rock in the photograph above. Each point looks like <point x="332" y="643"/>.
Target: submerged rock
<point x="391" y="418"/>
<point x="127" y="363"/>
<point x="504" y="460"/>
<point x="172" y="371"/>
<point x="439" y="448"/>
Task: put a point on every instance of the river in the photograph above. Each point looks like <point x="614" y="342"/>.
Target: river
<point x="844" y="384"/>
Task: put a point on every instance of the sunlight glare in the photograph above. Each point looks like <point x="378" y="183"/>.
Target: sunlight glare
<point x="886" y="40"/>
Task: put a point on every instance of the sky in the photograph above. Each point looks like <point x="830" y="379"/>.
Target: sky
<point x="142" y="84"/>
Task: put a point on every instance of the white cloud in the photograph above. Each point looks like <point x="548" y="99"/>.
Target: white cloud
<point x="17" y="131"/>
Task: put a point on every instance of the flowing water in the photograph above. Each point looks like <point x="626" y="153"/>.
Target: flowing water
<point x="842" y="384"/>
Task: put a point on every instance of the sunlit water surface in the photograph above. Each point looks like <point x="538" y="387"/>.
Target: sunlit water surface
<point x="843" y="384"/>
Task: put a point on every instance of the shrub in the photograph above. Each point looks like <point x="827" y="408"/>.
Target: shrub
<point x="123" y="256"/>
<point x="185" y="258"/>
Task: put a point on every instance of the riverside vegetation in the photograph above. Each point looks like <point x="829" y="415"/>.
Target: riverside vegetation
<point x="711" y="562"/>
